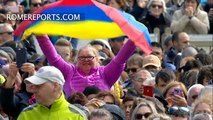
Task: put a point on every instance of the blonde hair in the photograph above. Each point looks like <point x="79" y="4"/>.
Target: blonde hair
<point x="144" y="103"/>
<point x="174" y="84"/>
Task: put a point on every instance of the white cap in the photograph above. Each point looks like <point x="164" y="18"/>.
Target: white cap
<point x="45" y="74"/>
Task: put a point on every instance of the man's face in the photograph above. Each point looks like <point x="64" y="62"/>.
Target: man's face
<point x="157" y="52"/>
<point x="6" y="34"/>
<point x="140" y="77"/>
<point x="44" y="92"/>
<point x="161" y="85"/>
<point x="127" y="106"/>
<point x="183" y="41"/>
<point x="132" y="69"/>
<point x="35" y="5"/>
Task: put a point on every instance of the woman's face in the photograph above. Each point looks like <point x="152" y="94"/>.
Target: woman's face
<point x="174" y="90"/>
<point x="156" y="8"/>
<point x="192" y="4"/>
<point x="143" y="113"/>
<point x="87" y="59"/>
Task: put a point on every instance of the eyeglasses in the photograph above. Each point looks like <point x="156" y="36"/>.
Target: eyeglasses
<point x="178" y="111"/>
<point x="159" y="6"/>
<point x="9" y="33"/>
<point x="36" y="4"/>
<point x="140" y="116"/>
<point x="133" y="70"/>
<point x="86" y="58"/>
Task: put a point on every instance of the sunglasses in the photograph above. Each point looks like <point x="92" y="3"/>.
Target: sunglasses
<point x="9" y="33"/>
<point x="36" y="4"/>
<point x="86" y="58"/>
<point x="159" y="6"/>
<point x="140" y="116"/>
<point x="178" y="111"/>
<point x="133" y="70"/>
<point x="194" y="96"/>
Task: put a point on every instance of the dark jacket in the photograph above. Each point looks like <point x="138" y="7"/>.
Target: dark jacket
<point x="139" y="13"/>
<point x="152" y="22"/>
<point x="13" y="104"/>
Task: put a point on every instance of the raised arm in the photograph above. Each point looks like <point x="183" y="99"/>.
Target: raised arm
<point x="52" y="56"/>
<point x="12" y="104"/>
<point x="113" y="70"/>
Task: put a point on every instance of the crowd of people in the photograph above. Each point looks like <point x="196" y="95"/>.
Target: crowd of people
<point x="110" y="79"/>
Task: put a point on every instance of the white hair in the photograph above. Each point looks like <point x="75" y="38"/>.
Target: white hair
<point x="162" y="1"/>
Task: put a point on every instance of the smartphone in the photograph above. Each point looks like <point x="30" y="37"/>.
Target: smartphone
<point x="13" y="9"/>
<point x="148" y="90"/>
<point x="21" y="56"/>
<point x="177" y="91"/>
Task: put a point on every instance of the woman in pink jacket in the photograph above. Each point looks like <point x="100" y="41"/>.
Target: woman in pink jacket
<point x="87" y="72"/>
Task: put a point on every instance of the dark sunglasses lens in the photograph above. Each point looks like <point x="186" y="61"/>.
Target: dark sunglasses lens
<point x="132" y="70"/>
<point x="146" y="115"/>
<point x="138" y="116"/>
<point x="36" y="4"/>
<point x="194" y="96"/>
<point x="154" y="6"/>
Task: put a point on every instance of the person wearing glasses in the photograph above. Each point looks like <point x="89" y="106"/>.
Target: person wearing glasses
<point x="138" y="82"/>
<point x="6" y="33"/>
<point x="31" y="5"/>
<point x="134" y="64"/>
<point x="87" y="70"/>
<point x="143" y="110"/>
<point x="193" y="92"/>
<point x="35" y="5"/>
<point x="156" y="16"/>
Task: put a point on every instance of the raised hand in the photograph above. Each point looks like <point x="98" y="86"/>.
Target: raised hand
<point x="28" y="68"/>
<point x="189" y="11"/>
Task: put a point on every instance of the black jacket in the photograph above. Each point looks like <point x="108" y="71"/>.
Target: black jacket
<point x="13" y="103"/>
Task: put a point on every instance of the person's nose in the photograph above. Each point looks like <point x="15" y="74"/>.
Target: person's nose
<point x="127" y="109"/>
<point x="143" y="118"/>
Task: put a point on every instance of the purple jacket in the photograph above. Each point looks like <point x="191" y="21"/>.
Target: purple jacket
<point x="103" y="76"/>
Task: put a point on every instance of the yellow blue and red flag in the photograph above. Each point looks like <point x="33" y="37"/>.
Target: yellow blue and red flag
<point x="84" y="19"/>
